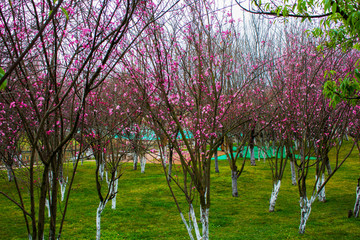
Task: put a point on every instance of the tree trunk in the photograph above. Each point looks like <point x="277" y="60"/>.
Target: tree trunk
<point x="164" y="155"/>
<point x="274" y="195"/>
<point x="273" y="149"/>
<point x="53" y="197"/>
<point x="73" y="159"/>
<point x="296" y="145"/>
<point x="194" y="222"/>
<point x="47" y="203"/>
<point x="188" y="227"/>
<point x="9" y="173"/>
<point x="63" y="184"/>
<point x="216" y="162"/>
<point x="116" y="183"/>
<point x="98" y="219"/>
<point x="234" y="179"/>
<point x="357" y="201"/>
<point x="112" y="187"/>
<point x="42" y="202"/>
<point x="205" y="223"/>
<point x="135" y="161"/>
<point x="252" y="156"/>
<point x="321" y="194"/>
<point x="328" y="166"/>
<point x="101" y="170"/>
<point x="170" y="168"/>
<point x="293" y="173"/>
<point x="264" y="153"/>
<point x="305" y="206"/>
<point x="143" y="163"/>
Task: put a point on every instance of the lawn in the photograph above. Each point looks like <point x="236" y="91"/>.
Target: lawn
<point x="145" y="208"/>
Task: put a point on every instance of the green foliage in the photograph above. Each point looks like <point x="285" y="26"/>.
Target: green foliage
<point x="4" y="84"/>
<point x="346" y="89"/>
<point x="65" y="12"/>
<point x="341" y="19"/>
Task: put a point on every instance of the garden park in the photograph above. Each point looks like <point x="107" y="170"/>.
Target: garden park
<point x="179" y="119"/>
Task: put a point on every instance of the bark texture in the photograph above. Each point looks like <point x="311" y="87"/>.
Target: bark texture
<point x="99" y="210"/>
<point x="305" y="206"/>
<point x="47" y="203"/>
<point x="321" y="194"/>
<point x="205" y="223"/>
<point x="357" y="202"/>
<point x="234" y="179"/>
<point x="252" y="156"/>
<point x="135" y="161"/>
<point x="9" y="173"/>
<point x="188" y="226"/>
<point x="101" y="170"/>
<point x="274" y="195"/>
<point x="293" y="173"/>
<point x="216" y="162"/>
<point x="164" y="155"/>
<point x="63" y="184"/>
<point x="143" y="163"/>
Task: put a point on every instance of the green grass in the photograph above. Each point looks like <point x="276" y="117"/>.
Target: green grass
<point x="145" y="208"/>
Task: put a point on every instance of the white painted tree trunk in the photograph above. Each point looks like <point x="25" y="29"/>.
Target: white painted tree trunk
<point x="216" y="162"/>
<point x="98" y="219"/>
<point x="234" y="183"/>
<point x="73" y="159"/>
<point x="194" y="222"/>
<point x="63" y="184"/>
<point x="116" y="183"/>
<point x="170" y="169"/>
<point x="50" y="178"/>
<point x="19" y="162"/>
<point x="205" y="223"/>
<point x="259" y="153"/>
<point x="357" y="202"/>
<point x="264" y="153"/>
<point x="187" y="225"/>
<point x="9" y="173"/>
<point x="47" y="204"/>
<point x="328" y="167"/>
<point x="135" y="161"/>
<point x="252" y="157"/>
<point x="143" y="163"/>
<point x="293" y="173"/>
<point x="296" y="145"/>
<point x="321" y="194"/>
<point x="101" y="170"/>
<point x="30" y="237"/>
<point x="274" y="195"/>
<point x="305" y="206"/>
<point x="113" y="187"/>
<point x="273" y="149"/>
<point x="164" y="155"/>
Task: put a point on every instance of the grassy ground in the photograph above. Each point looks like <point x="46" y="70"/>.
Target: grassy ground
<point x="145" y="208"/>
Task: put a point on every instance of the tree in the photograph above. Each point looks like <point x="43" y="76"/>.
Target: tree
<point x="51" y="58"/>
<point x="308" y="116"/>
<point x="180" y="75"/>
<point x="340" y="23"/>
<point x="340" y="18"/>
